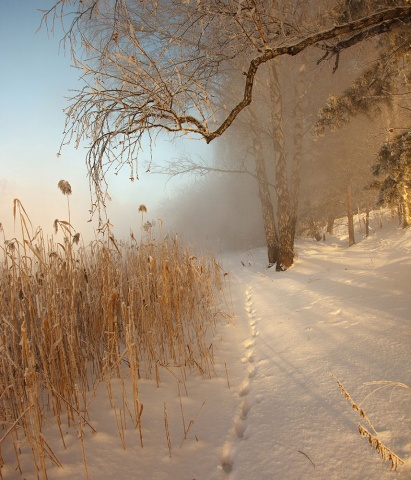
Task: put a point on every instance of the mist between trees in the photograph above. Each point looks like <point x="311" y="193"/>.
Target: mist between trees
<point x="309" y="103"/>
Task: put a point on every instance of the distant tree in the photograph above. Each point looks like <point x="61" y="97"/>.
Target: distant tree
<point x="381" y="88"/>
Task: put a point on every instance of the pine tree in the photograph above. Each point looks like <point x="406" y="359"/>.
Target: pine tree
<point x="381" y="87"/>
<point x="388" y="75"/>
<point x="394" y="162"/>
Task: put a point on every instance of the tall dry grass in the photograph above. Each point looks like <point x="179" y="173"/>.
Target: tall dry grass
<point x="73" y="316"/>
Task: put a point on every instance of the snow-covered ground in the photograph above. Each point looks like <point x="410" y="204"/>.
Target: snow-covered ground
<point x="275" y="410"/>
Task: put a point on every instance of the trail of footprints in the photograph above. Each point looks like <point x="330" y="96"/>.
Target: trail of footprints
<point x="238" y="431"/>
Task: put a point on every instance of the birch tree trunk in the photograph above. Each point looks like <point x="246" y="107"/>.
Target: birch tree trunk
<point x="298" y="147"/>
<point x="270" y="230"/>
<point x="350" y="215"/>
<point x="367" y="219"/>
<point x="284" y="213"/>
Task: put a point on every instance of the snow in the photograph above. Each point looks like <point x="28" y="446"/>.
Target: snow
<point x="274" y="410"/>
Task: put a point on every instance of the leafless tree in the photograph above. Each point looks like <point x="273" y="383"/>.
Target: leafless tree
<point x="151" y="66"/>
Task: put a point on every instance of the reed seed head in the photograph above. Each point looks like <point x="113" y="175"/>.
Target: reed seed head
<point x="10" y="244"/>
<point x="65" y="187"/>
<point x="76" y="238"/>
<point x="142" y="208"/>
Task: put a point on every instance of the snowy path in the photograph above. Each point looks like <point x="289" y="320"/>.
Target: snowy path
<point x="330" y="314"/>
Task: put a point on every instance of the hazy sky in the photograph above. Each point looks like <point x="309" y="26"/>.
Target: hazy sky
<point x="35" y="80"/>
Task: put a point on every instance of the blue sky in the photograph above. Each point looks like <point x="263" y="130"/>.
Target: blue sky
<point x="35" y="80"/>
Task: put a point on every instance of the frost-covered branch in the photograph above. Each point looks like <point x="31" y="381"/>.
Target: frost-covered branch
<point x="153" y="66"/>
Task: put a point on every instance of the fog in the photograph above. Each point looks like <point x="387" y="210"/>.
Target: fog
<point x="220" y="212"/>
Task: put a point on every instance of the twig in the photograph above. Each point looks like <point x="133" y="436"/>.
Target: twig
<point x="305" y="455"/>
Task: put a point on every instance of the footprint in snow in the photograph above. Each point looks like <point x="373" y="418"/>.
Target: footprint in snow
<point x="226" y="457"/>
<point x="244" y="388"/>
<point x="245" y="409"/>
<point x="250" y="356"/>
<point x="252" y="370"/>
<point x="240" y="426"/>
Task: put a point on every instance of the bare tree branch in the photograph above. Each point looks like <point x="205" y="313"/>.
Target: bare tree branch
<point x="186" y="165"/>
<point x="153" y="66"/>
<point x="383" y="20"/>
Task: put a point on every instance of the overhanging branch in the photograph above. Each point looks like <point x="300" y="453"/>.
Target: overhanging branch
<point x="372" y="25"/>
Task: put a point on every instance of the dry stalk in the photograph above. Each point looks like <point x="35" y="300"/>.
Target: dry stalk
<point x="381" y="449"/>
<point x="386" y="384"/>
<point x="226" y="374"/>
<point x="167" y="430"/>
<point x="182" y="410"/>
<point x="355" y="406"/>
<point x="191" y="423"/>
<point x="81" y="432"/>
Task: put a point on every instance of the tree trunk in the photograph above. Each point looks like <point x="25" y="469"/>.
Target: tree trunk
<point x="367" y="220"/>
<point x="270" y="230"/>
<point x="406" y="220"/>
<point x="298" y="147"/>
<point x="359" y="220"/>
<point x="330" y="224"/>
<point x="284" y="214"/>
<point x="399" y="212"/>
<point x="350" y="215"/>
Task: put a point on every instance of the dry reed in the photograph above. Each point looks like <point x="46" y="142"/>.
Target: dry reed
<point x="167" y="430"/>
<point x="74" y="315"/>
<point x="385" y="453"/>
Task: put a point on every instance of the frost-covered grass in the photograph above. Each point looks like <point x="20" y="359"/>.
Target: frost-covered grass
<point x="74" y="317"/>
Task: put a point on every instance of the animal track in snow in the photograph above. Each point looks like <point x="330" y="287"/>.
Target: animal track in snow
<point x="249" y="357"/>
<point x="245" y="408"/>
<point x="240" y="421"/>
<point x="252" y="371"/>
<point x="244" y="388"/>
<point x="226" y="457"/>
<point x="255" y="333"/>
<point x="240" y="425"/>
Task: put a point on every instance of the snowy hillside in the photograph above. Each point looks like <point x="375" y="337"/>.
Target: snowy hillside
<point x="275" y="411"/>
